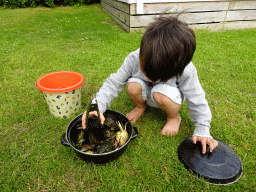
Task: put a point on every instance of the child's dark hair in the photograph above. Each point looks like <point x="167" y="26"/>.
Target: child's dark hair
<point x="166" y="48"/>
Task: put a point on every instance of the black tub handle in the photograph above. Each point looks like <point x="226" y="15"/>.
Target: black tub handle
<point x="136" y="133"/>
<point x="63" y="142"/>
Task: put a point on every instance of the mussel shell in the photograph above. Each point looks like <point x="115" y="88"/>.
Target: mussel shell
<point x="105" y="146"/>
<point x="110" y="120"/>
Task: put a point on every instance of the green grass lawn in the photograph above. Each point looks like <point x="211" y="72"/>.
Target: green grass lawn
<point x="38" y="41"/>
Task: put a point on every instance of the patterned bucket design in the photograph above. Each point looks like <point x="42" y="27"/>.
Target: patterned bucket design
<point x="63" y="105"/>
<point x="62" y="92"/>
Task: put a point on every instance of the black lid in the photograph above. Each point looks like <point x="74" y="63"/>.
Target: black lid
<point x="222" y="166"/>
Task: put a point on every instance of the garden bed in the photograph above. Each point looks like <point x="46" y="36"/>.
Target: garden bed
<point x="215" y="15"/>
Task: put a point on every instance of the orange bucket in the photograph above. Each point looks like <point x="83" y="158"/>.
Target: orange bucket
<point x="62" y="92"/>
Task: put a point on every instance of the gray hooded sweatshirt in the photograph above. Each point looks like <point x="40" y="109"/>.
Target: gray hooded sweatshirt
<point x="188" y="83"/>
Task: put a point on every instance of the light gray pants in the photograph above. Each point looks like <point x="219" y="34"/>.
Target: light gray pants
<point x="172" y="93"/>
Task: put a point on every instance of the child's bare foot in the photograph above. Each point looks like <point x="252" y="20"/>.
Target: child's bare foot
<point x="135" y="114"/>
<point x="172" y="126"/>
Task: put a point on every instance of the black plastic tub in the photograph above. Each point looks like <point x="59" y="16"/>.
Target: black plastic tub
<point x="72" y="132"/>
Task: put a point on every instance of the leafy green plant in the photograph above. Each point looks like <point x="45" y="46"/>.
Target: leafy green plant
<point x="14" y="3"/>
<point x="48" y="3"/>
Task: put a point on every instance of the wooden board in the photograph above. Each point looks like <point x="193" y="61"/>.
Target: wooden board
<point x="240" y="15"/>
<point x="181" y="7"/>
<point x="234" y="5"/>
<point x="122" y="16"/>
<point x="217" y="26"/>
<point x="191" y="18"/>
<point x="121" y="6"/>
<point x="210" y="26"/>
<point x="239" y="25"/>
<point x="118" y="16"/>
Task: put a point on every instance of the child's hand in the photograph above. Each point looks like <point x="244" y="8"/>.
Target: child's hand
<point x="92" y="114"/>
<point x="205" y="140"/>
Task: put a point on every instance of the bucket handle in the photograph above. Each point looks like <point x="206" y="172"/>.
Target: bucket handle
<point x="136" y="133"/>
<point x="63" y="142"/>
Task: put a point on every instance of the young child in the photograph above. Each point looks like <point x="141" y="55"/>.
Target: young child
<point x="161" y="75"/>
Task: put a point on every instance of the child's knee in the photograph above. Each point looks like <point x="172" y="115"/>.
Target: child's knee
<point x="163" y="94"/>
<point x="134" y="88"/>
<point x="162" y="100"/>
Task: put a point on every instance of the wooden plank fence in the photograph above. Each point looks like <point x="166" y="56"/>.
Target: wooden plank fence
<point x="215" y="15"/>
